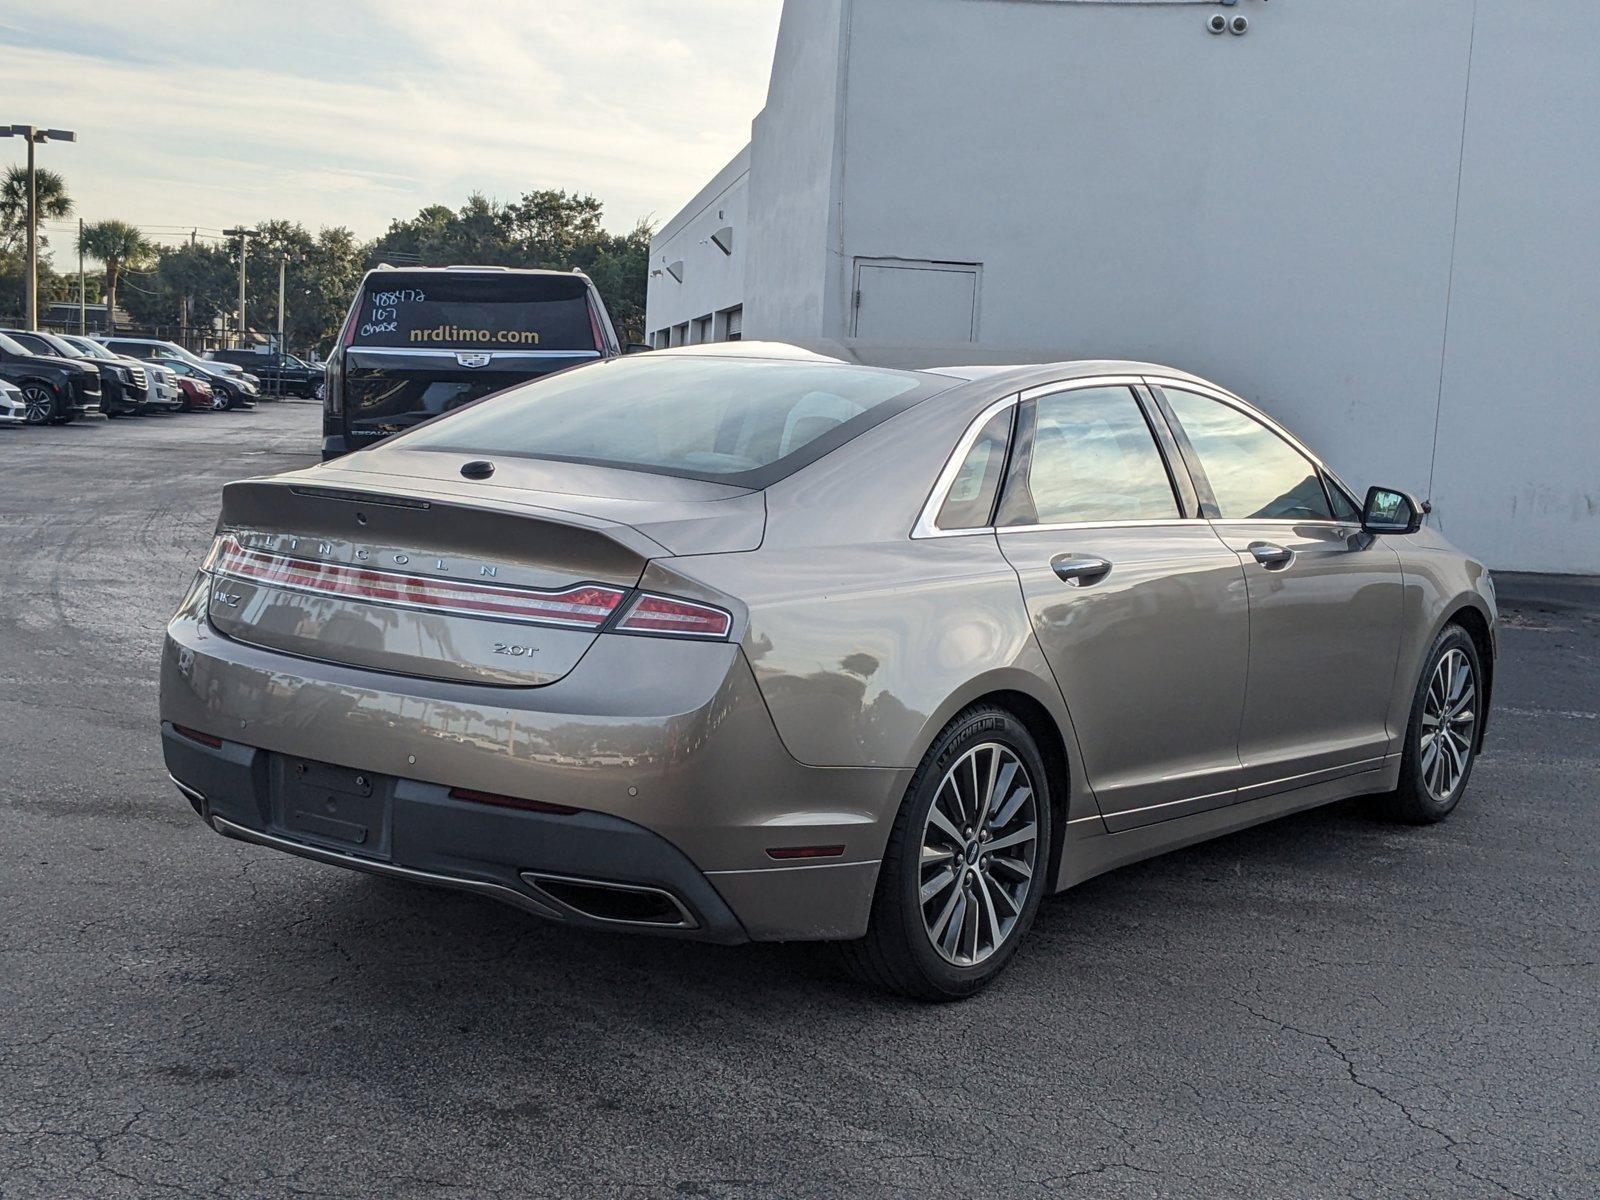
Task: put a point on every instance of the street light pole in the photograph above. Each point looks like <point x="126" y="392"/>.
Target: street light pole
<point x="244" y="243"/>
<point x="34" y="134"/>
<point x="281" y="263"/>
<point x="83" y="308"/>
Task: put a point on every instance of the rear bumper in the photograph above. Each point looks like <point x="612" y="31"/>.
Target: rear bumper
<point x="665" y="747"/>
<point x="558" y="867"/>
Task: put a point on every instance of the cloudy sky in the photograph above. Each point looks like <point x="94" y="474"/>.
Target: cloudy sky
<point x="352" y="112"/>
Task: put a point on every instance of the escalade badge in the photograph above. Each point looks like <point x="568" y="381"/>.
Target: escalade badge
<point x="473" y="359"/>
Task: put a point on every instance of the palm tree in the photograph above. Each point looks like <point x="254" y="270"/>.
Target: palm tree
<point x="118" y="245"/>
<point x="50" y="196"/>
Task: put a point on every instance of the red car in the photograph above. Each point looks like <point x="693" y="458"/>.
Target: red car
<point x="197" y="394"/>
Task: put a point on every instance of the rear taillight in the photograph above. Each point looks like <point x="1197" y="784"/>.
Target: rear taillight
<point x="667" y="617"/>
<point x="585" y="606"/>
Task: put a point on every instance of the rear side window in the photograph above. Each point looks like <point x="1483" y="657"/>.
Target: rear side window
<point x="970" y="501"/>
<point x="1253" y="473"/>
<point x="488" y="312"/>
<point x="743" y="421"/>
<point x="1091" y="458"/>
<point x="35" y="345"/>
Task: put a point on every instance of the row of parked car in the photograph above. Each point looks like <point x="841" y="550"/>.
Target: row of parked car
<point x="53" y="379"/>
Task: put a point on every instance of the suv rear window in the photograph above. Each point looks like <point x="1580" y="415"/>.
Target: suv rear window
<point x="731" y="420"/>
<point x="504" y="312"/>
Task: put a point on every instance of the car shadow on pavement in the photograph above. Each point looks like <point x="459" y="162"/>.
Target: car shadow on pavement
<point x="411" y="938"/>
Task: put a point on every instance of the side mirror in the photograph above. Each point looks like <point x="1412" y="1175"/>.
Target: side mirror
<point x="1390" y="511"/>
<point x="637" y="348"/>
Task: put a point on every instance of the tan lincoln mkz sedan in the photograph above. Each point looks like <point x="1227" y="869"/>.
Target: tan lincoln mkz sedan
<point x="749" y="642"/>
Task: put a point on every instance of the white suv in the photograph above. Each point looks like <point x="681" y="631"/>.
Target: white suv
<point x="13" y="408"/>
<point x="157" y="349"/>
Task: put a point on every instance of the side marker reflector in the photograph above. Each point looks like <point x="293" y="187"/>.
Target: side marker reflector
<point x="805" y="852"/>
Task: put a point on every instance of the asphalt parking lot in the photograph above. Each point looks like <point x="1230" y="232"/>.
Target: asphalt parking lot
<point x="1327" y="1006"/>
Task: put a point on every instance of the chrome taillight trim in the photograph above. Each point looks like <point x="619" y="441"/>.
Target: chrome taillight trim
<point x="397" y="589"/>
<point x="633" y="605"/>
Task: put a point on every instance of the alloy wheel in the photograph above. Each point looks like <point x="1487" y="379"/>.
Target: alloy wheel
<point x="41" y="404"/>
<point x="979" y="854"/>
<point x="1449" y="722"/>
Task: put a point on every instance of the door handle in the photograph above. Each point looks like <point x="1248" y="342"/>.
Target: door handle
<point x="1079" y="570"/>
<point x="1271" y="555"/>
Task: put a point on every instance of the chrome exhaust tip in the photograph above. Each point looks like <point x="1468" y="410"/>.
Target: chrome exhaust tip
<point x="612" y="903"/>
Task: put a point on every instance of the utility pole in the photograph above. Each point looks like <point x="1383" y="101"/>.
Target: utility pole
<point x="34" y="134"/>
<point x="83" y="307"/>
<point x="188" y="300"/>
<point x="244" y="242"/>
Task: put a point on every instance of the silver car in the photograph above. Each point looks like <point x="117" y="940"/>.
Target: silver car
<point x="754" y="643"/>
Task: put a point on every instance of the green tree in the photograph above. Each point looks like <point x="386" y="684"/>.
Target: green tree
<point x="621" y="274"/>
<point x="13" y="277"/>
<point x="118" y="245"/>
<point x="199" y="279"/>
<point x="50" y="197"/>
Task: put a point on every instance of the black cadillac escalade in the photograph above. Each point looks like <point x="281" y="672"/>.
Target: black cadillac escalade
<point x="420" y="341"/>
<point x="57" y="390"/>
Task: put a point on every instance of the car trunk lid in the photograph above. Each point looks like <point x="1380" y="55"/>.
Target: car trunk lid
<point x="405" y="566"/>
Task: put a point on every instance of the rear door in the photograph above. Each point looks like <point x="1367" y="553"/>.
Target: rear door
<point x="1325" y="598"/>
<point x="1140" y="609"/>
<point x="424" y="343"/>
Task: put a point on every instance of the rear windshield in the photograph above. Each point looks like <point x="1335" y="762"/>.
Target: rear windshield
<point x="742" y="421"/>
<point x="508" y="312"/>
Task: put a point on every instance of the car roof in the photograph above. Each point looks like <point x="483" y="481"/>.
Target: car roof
<point x="970" y="363"/>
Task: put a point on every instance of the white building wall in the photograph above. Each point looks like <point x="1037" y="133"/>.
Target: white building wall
<point x="713" y="279"/>
<point x="1298" y="213"/>
<point x="1517" y="469"/>
<point x="1248" y="208"/>
<point x="794" y="170"/>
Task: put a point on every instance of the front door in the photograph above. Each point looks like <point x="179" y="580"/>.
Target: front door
<point x="1325" y="599"/>
<point x="1140" y="609"/>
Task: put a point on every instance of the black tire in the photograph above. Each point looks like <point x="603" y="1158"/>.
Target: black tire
<point x="898" y="953"/>
<point x="43" y="404"/>
<point x="1418" y="799"/>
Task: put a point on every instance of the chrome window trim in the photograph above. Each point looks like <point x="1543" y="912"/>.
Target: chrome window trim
<point x="1077" y="385"/>
<point x="1150" y="523"/>
<point x="1239" y="404"/>
<point x="1284" y="521"/>
<point x="927" y="525"/>
<point x="927" y="520"/>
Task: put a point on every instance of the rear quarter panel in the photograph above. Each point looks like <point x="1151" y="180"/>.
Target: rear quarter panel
<point x="865" y="641"/>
